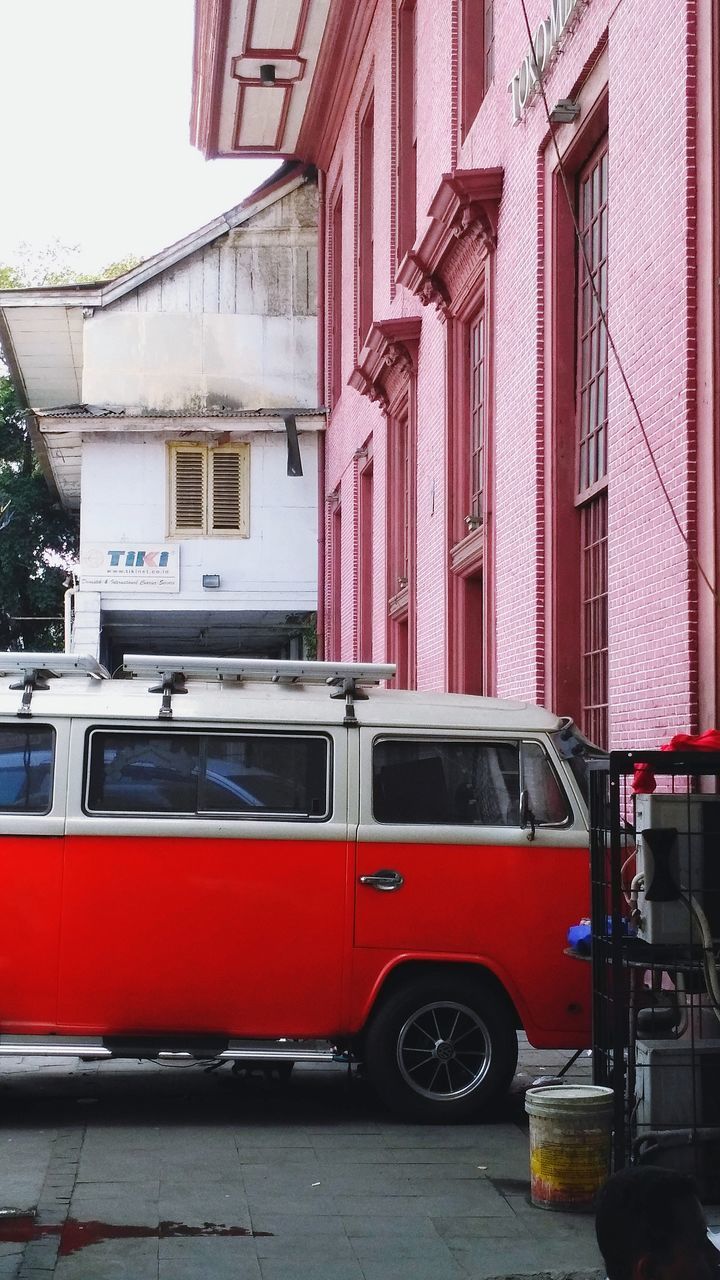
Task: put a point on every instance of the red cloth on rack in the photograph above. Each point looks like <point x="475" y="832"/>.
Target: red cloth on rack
<point x="643" y="777"/>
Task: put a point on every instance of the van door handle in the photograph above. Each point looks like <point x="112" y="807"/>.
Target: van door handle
<point x="384" y="880"/>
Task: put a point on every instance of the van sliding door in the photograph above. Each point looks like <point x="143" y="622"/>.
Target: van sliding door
<point x="206" y="881"/>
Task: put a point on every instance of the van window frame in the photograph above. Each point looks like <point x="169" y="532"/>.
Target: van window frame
<point x="466" y="735"/>
<point x="208" y="815"/>
<point x="34" y="726"/>
<point x="469" y="738"/>
<point x="569" y="819"/>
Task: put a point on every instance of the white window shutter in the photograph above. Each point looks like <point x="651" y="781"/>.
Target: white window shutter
<point x="188" y="488"/>
<point x="228" y="497"/>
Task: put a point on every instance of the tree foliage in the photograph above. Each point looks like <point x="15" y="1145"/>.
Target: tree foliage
<point x="38" y="540"/>
<point x="53" y="264"/>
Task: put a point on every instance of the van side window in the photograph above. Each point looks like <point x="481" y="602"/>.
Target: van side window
<point x="548" y="802"/>
<point x="248" y="775"/>
<point x="26" y="768"/>
<point x="446" y="781"/>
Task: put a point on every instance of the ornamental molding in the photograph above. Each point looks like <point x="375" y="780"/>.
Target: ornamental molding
<point x="463" y="228"/>
<point x="387" y="361"/>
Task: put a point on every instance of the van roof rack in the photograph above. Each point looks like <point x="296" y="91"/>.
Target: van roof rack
<point x="344" y="676"/>
<point x="37" y="668"/>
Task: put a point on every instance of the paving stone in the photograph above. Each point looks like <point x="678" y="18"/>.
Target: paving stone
<point x="475" y="1199"/>
<point x="261" y="1203"/>
<point x="119" y="1204"/>
<point x="111" y="1260"/>
<point x="351" y="1142"/>
<point x="277" y="1269"/>
<point x="394" y="1248"/>
<point x="210" y="1202"/>
<point x="313" y="1247"/>
<point x="369" y="1206"/>
<point x="381" y="1225"/>
<point x="461" y="1231"/>
<point x="343" y="1181"/>
<point x="496" y="1258"/>
<point x="298" y="1171"/>
<point x="276" y="1157"/>
<point x="207" y="1259"/>
<point x="290" y="1226"/>
<point x="276" y="1136"/>
<point x="416" y="1268"/>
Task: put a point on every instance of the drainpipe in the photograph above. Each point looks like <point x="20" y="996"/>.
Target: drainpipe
<point x="69" y="617"/>
<point x="321" y="400"/>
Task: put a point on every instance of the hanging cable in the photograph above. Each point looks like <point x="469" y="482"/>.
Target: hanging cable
<point x="603" y="317"/>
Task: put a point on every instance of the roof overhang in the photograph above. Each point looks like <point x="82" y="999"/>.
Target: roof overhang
<point x="309" y="50"/>
<point x="58" y="435"/>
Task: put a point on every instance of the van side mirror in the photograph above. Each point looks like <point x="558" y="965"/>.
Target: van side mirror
<point x="527" y="817"/>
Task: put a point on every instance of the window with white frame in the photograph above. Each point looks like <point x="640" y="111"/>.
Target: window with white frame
<point x="209" y="490"/>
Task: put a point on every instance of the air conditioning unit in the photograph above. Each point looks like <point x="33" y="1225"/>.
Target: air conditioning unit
<point x="678" y="848"/>
<point x="677" y="1085"/>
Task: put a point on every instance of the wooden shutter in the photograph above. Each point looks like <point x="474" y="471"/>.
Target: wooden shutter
<point x="188" y="484"/>
<point x="229" y="489"/>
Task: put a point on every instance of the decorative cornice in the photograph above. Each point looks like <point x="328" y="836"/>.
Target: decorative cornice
<point x="388" y="357"/>
<point x="343" y="45"/>
<point x="465" y="208"/>
<point x="212" y="18"/>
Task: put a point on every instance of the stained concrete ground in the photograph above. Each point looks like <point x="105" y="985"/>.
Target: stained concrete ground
<point x="138" y="1171"/>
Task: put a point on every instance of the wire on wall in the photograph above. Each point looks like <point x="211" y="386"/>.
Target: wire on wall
<point x="603" y="316"/>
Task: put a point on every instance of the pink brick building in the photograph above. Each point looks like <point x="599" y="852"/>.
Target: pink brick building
<point x="493" y="517"/>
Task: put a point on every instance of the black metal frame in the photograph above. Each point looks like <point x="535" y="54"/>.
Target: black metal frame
<point x="632" y="979"/>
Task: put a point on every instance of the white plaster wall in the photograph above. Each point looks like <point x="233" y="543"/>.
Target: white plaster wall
<point x="124" y="498"/>
<point x="192" y="362"/>
<point x="85" y="636"/>
<point x="233" y="325"/>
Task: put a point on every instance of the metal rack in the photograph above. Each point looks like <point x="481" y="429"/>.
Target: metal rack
<point x="172" y="672"/>
<point x="260" y="669"/>
<point x="36" y="669"/>
<point x="346" y="678"/>
<point x="655" y="866"/>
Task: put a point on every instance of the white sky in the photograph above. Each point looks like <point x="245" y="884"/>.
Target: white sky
<point x="94" y="132"/>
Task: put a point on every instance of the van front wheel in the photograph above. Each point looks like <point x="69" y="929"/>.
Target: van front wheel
<point x="441" y="1048"/>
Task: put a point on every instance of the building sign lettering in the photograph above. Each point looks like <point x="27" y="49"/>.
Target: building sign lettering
<point x="122" y="566"/>
<point x="524" y="83"/>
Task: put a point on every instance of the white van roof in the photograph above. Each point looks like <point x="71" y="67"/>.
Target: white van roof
<point x="280" y="693"/>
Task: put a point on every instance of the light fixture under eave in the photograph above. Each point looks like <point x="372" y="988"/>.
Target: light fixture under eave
<point x="565" y="111"/>
<point x="211" y="581"/>
<point x="267" y="72"/>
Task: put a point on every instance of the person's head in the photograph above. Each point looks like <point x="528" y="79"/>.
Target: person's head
<point x="650" y="1225"/>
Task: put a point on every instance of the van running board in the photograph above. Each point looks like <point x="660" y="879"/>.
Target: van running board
<point x="236" y="1051"/>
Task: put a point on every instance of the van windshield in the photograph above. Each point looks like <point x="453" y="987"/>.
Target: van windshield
<point x="575" y="748"/>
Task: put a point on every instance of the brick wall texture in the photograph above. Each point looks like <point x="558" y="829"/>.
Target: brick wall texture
<point x="645" y="53"/>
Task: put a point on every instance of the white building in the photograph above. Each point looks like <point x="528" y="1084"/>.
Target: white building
<point x="176" y="408"/>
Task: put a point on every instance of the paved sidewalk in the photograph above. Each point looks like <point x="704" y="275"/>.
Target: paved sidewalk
<point x="134" y="1170"/>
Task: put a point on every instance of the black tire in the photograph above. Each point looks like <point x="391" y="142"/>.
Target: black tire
<point x="441" y="1048"/>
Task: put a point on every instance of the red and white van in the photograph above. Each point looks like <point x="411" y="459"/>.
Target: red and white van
<point x="282" y="861"/>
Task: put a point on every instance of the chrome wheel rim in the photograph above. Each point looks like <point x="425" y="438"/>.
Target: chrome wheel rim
<point x="444" y="1051"/>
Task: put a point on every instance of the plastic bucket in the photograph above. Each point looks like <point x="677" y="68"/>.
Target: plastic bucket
<point x="570" y="1127"/>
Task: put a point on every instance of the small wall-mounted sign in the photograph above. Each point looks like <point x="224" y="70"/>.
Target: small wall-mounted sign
<point x="546" y="38"/>
<point x="125" y="566"/>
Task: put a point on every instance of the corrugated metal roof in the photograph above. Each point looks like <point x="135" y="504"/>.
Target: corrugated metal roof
<point x="101" y="411"/>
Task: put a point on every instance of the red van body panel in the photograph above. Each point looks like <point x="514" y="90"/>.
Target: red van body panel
<point x="92" y="939"/>
<point x="506" y="907"/>
<point x="242" y="936"/>
<point x="31" y="873"/>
